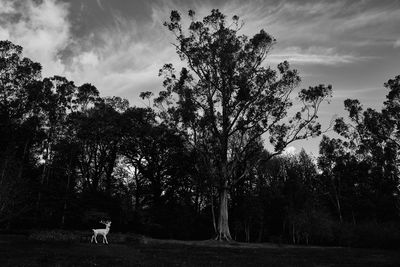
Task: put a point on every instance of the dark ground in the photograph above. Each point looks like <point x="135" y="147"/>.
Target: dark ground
<point x="20" y="251"/>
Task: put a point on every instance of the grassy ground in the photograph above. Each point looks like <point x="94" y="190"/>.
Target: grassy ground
<point x="21" y="251"/>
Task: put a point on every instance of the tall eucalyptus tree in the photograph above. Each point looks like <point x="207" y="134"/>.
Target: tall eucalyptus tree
<point x="226" y="99"/>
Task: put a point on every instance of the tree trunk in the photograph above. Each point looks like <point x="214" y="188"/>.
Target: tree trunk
<point x="339" y="209"/>
<point x="213" y="213"/>
<point x="260" y="232"/>
<point x="39" y="198"/>
<point x="3" y="173"/>
<point x="293" y="234"/>
<point x="247" y="230"/>
<point x="223" y="225"/>
<point x="43" y="176"/>
<point x="109" y="171"/>
<point x="137" y="191"/>
<point x="353" y="216"/>
<point x="66" y="195"/>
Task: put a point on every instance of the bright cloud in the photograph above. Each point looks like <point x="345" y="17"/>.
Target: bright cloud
<point x="290" y="150"/>
<point x="42" y="28"/>
<point x="6" y="7"/>
<point x="4" y="35"/>
<point x="397" y="43"/>
<point x="88" y="59"/>
<point x="312" y="55"/>
<point x="124" y="60"/>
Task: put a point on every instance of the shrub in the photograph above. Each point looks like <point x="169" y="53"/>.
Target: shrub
<point x="344" y="234"/>
<point x="385" y="235"/>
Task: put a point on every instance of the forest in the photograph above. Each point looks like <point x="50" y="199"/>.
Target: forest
<point x="204" y="159"/>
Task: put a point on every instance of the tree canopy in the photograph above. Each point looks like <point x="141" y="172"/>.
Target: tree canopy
<point x="210" y="147"/>
<point x="226" y="99"/>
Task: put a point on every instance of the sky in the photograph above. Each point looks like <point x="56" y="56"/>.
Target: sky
<point x="119" y="45"/>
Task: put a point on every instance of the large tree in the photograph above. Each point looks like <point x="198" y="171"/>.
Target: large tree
<point x="374" y="137"/>
<point x="97" y="132"/>
<point x="19" y="129"/>
<point x="227" y="99"/>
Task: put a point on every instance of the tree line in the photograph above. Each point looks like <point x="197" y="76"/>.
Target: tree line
<point x="194" y="165"/>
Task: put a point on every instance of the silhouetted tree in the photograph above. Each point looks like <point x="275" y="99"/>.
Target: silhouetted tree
<point x="373" y="137"/>
<point x="19" y="130"/>
<point x="227" y="100"/>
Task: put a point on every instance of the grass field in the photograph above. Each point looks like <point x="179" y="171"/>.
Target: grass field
<point x="21" y="251"/>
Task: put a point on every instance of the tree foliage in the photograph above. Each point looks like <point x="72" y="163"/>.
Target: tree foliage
<point x="70" y="157"/>
<point x="227" y="99"/>
<point x="373" y="141"/>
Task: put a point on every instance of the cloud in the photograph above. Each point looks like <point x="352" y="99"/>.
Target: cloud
<point x="397" y="43"/>
<point x="6" y="7"/>
<point x="322" y="23"/>
<point x="317" y="33"/>
<point x="122" y="55"/>
<point x="100" y="4"/>
<point x="88" y="59"/>
<point x="120" y="59"/>
<point x="374" y="16"/>
<point x="312" y="55"/>
<point x="287" y="20"/>
<point x="42" y="28"/>
<point x="290" y="150"/>
<point x="4" y="34"/>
